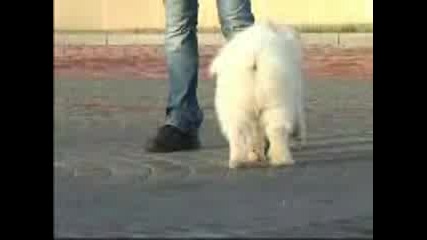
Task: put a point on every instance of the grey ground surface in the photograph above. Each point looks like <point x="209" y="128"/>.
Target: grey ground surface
<point x="107" y="186"/>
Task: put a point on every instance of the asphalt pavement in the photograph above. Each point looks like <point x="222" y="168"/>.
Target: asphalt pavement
<point x="106" y="185"/>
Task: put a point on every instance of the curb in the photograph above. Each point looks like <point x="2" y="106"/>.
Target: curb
<point x="123" y="39"/>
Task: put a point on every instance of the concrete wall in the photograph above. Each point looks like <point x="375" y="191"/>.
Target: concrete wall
<point x="123" y="15"/>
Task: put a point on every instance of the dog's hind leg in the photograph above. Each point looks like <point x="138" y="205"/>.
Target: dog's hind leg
<point x="277" y="131"/>
<point x="256" y="142"/>
<point x="236" y="153"/>
<point x="246" y="145"/>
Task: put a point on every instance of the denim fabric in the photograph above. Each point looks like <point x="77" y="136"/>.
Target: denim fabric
<point x="182" y="55"/>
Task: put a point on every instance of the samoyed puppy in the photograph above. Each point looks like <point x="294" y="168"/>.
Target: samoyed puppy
<point x="259" y="95"/>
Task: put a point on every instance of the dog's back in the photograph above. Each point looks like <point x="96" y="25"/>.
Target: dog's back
<point x="273" y="55"/>
<point x="265" y="60"/>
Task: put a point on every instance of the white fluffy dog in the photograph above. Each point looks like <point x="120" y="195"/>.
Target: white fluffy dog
<point x="259" y="97"/>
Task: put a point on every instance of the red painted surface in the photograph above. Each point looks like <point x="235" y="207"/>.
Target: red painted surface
<point x="148" y="62"/>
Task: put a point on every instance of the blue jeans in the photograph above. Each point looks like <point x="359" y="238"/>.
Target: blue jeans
<point x="182" y="55"/>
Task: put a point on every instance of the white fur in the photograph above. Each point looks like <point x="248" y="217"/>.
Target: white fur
<point x="259" y="95"/>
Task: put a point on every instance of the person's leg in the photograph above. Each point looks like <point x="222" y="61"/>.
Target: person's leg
<point x="183" y="114"/>
<point x="234" y="16"/>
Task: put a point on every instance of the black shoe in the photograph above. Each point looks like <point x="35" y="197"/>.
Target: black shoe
<point x="171" y="139"/>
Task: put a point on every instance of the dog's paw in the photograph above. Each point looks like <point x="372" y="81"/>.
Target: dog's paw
<point x="282" y="162"/>
<point x="254" y="156"/>
<point x="247" y="164"/>
<point x="280" y="158"/>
